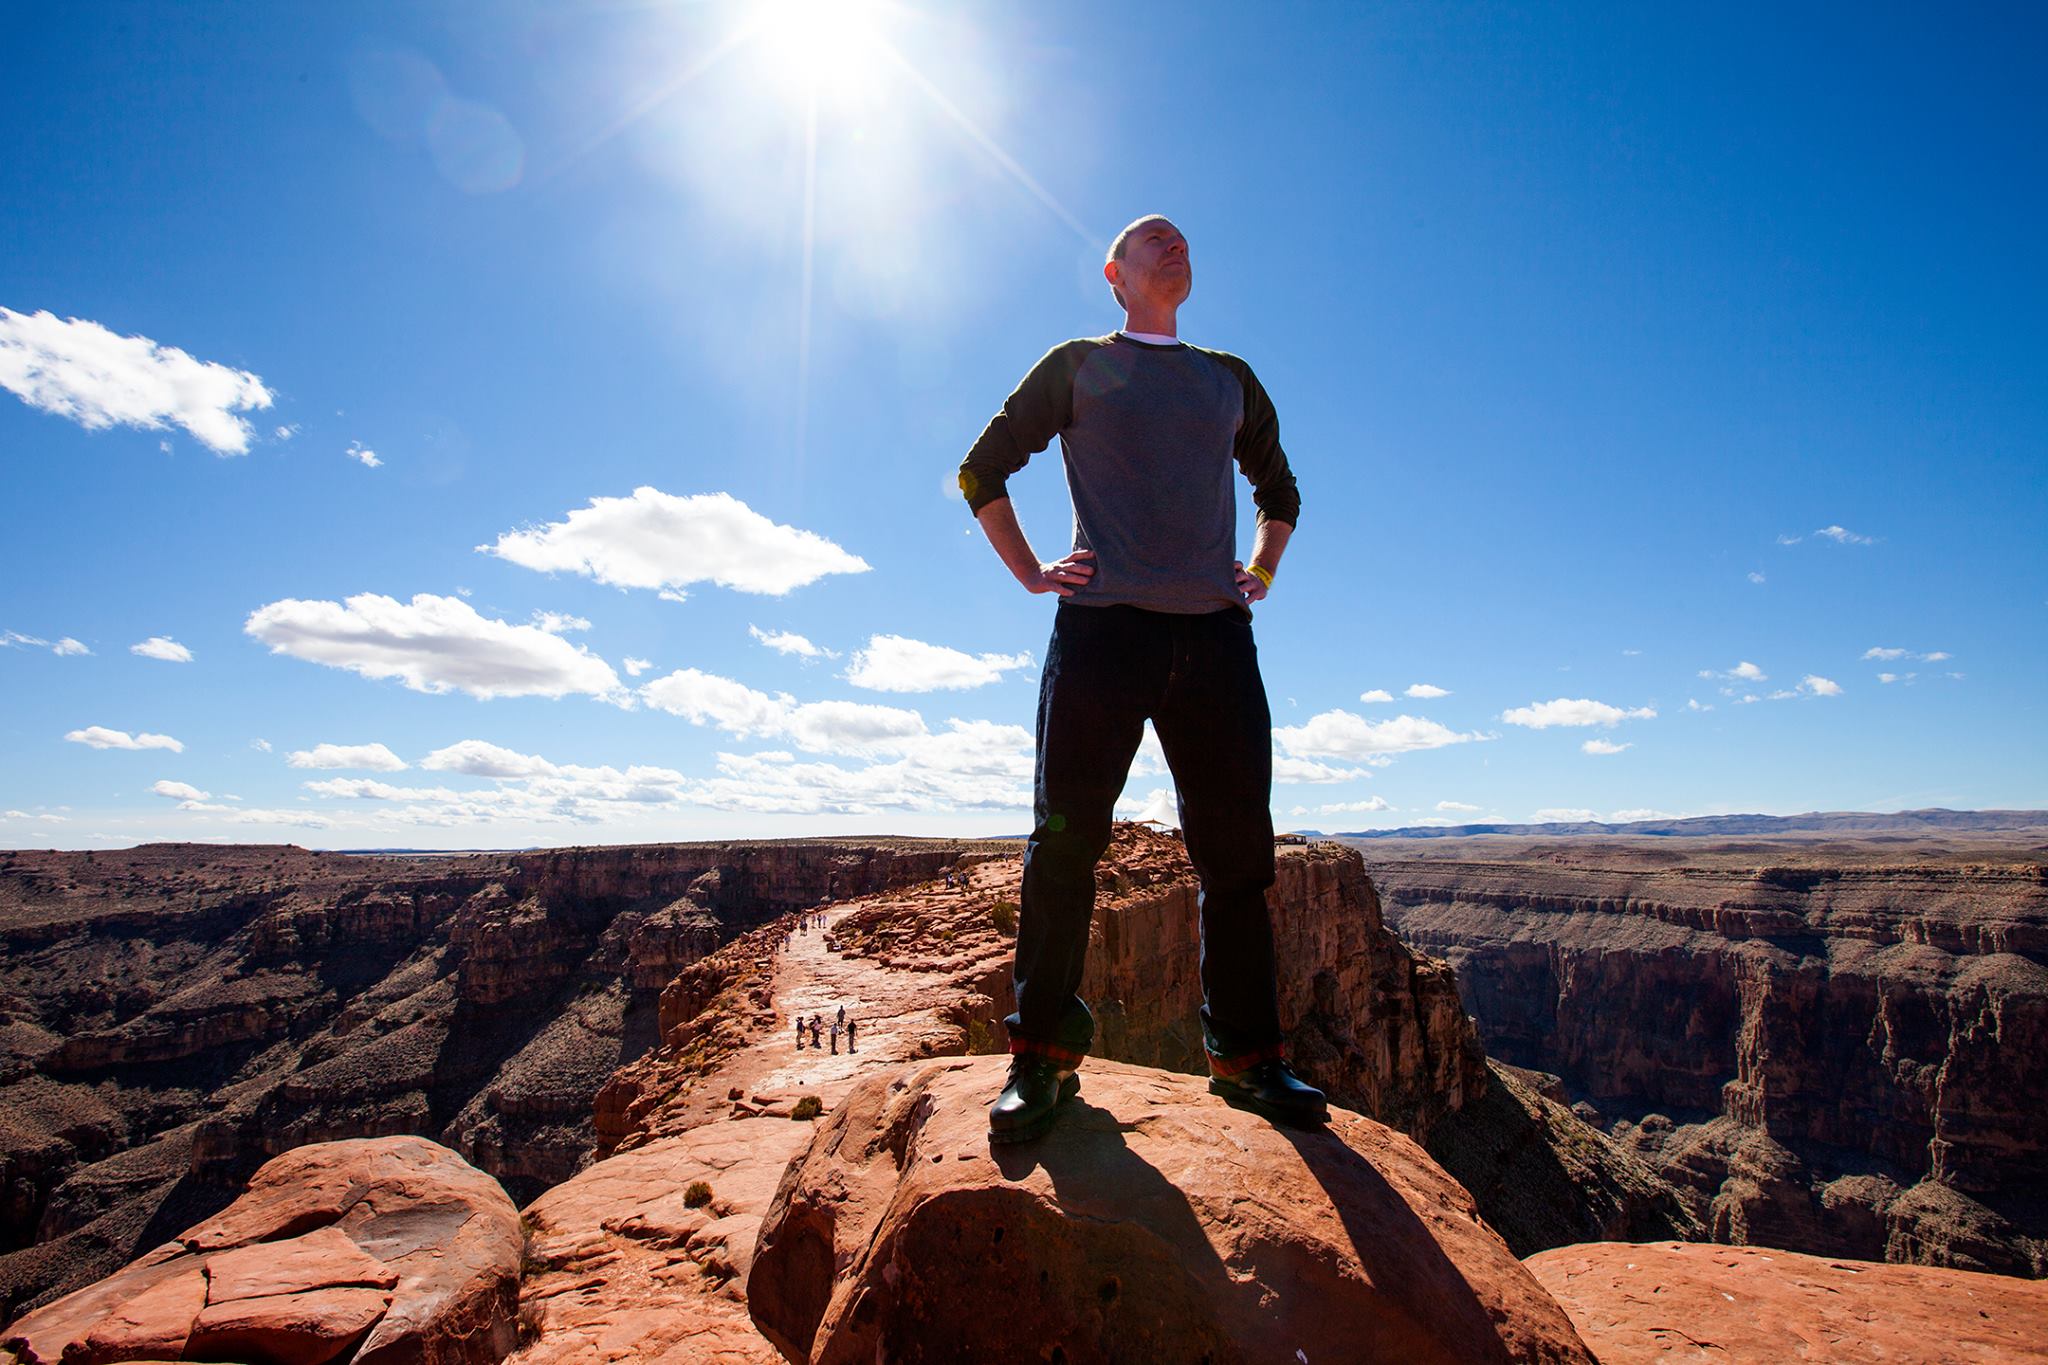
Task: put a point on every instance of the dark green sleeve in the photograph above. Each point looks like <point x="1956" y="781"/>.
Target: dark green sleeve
<point x="1030" y="418"/>
<point x="1258" y="449"/>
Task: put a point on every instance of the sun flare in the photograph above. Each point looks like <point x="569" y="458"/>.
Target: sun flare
<point x="820" y="47"/>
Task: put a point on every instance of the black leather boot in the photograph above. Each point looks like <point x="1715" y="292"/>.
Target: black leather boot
<point x="1273" y="1090"/>
<point x="1031" y="1099"/>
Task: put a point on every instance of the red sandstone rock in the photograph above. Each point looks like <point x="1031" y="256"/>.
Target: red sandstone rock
<point x="287" y="1329"/>
<point x="621" y="1268"/>
<point x="1153" y="1223"/>
<point x="1672" y="1301"/>
<point x="394" y="1249"/>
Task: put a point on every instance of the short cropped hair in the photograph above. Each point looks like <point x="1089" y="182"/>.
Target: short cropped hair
<point x="1122" y="242"/>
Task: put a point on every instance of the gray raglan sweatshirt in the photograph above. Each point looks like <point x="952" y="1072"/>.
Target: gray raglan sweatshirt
<point x="1149" y="434"/>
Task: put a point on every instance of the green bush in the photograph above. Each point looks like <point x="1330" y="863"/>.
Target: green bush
<point x="697" y="1195"/>
<point x="809" y="1107"/>
<point x="981" y="1039"/>
<point x="1003" y="915"/>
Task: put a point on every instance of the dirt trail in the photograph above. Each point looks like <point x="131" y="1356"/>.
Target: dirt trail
<point x="898" y="1008"/>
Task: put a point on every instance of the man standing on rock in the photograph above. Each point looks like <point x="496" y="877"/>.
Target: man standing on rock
<point x="1153" y="623"/>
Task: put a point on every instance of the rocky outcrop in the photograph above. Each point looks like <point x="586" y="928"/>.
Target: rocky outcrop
<point x="174" y="1015"/>
<point x="1674" y="1301"/>
<point x="384" y="1251"/>
<point x="1153" y="1223"/>
<point x="1830" y="1052"/>
<point x="625" y="1262"/>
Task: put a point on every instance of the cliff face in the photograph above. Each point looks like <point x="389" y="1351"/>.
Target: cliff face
<point x="1843" y="1059"/>
<point x="173" y="1015"/>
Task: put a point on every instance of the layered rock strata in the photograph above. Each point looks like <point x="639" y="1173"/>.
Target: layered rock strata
<point x="1829" y="1053"/>
<point x="173" y="1015"/>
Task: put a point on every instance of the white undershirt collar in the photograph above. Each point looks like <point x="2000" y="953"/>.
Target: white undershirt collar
<point x="1150" y="338"/>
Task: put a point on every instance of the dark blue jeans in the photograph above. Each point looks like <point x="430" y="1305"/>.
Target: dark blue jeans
<point x="1108" y="670"/>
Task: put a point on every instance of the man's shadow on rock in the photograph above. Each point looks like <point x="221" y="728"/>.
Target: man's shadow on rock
<point x="1097" y="1177"/>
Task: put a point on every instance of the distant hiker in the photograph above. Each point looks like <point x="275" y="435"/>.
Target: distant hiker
<point x="799" y="1035"/>
<point x="814" y="1030"/>
<point x="849" y="1034"/>
<point x="835" y="1037"/>
<point x="1154" y="622"/>
<point x="842" y="1014"/>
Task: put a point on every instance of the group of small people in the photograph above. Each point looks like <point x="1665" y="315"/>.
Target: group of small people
<point x="814" y="1023"/>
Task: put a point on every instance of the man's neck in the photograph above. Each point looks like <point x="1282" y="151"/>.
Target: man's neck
<point x="1157" y="321"/>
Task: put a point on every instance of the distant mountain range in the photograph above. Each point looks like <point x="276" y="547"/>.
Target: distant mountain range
<point x="1843" y="822"/>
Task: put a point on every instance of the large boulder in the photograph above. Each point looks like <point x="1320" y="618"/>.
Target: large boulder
<point x="389" y="1251"/>
<point x="1153" y="1223"/>
<point x="1687" y="1301"/>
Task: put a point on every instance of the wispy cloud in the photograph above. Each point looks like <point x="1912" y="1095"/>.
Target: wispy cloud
<point x="1346" y="735"/>
<point x="1565" y="815"/>
<point x="362" y="455"/>
<point x="1368" y="806"/>
<point x="667" y="543"/>
<point x="180" y="791"/>
<point x="432" y="644"/>
<point x="1456" y="807"/>
<point x="100" y="737"/>
<point x="1841" y="535"/>
<point x="164" y="648"/>
<point x="1426" y="691"/>
<point x="635" y="667"/>
<point x="895" y="663"/>
<point x="1574" y="711"/>
<point x="789" y="642"/>
<point x="1604" y="746"/>
<point x="1377" y="694"/>
<point x="14" y="639"/>
<point x="375" y="758"/>
<point x="98" y="378"/>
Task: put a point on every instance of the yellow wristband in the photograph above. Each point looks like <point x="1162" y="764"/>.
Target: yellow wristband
<point x="1263" y="575"/>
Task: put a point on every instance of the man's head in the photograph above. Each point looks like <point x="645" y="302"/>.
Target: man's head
<point x="1148" y="267"/>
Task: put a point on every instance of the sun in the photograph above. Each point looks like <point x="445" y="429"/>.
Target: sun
<point x="819" y="48"/>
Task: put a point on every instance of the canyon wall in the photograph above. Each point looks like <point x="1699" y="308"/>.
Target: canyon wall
<point x="173" y="1015"/>
<point x="1828" y="1052"/>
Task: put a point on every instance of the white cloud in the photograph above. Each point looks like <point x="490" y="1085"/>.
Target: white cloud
<point x="1377" y="694"/>
<point x="894" y="663"/>
<point x="1306" y="770"/>
<point x="481" y="759"/>
<point x="181" y="791"/>
<point x="261" y="746"/>
<point x="1694" y="704"/>
<point x="1623" y="817"/>
<point x="1370" y="805"/>
<point x="558" y="623"/>
<point x="100" y="737"/>
<point x="14" y="639"/>
<point x="1755" y="577"/>
<point x="375" y="758"/>
<point x="1573" y="711"/>
<point x="286" y="432"/>
<point x="370" y="789"/>
<point x="1345" y="735"/>
<point x="1457" y="807"/>
<point x="789" y="642"/>
<point x="635" y="667"/>
<point x="362" y="454"/>
<point x="1887" y="677"/>
<point x="1571" y="815"/>
<point x="162" y="647"/>
<point x="39" y="815"/>
<point x="1934" y="658"/>
<point x="1842" y="536"/>
<point x="98" y="378"/>
<point x="1604" y="746"/>
<point x="1885" y="652"/>
<point x="432" y="644"/>
<point x="708" y="699"/>
<point x="1742" y="672"/>
<point x="1426" y="691"/>
<point x="660" y="541"/>
<point x="1816" y="686"/>
<point x="1790" y="540"/>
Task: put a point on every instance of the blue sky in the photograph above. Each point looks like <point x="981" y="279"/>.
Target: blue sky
<point x="1666" y="391"/>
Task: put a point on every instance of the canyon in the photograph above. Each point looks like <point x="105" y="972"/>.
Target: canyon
<point x="171" y="1016"/>
<point x="1829" y="1045"/>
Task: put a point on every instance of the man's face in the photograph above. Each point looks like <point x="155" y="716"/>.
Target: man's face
<point x="1155" y="268"/>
